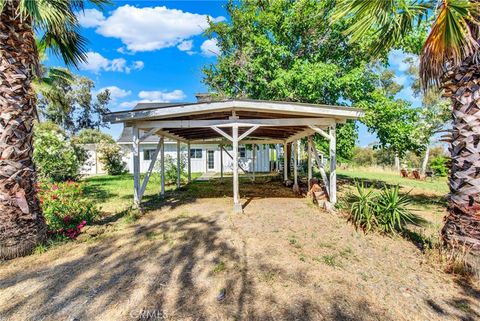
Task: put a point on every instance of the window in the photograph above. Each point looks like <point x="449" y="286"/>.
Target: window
<point x="148" y="154"/>
<point x="195" y="153"/>
<point x="242" y="152"/>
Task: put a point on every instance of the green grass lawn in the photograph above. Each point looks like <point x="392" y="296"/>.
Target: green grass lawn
<point x="114" y="194"/>
<point x="438" y="185"/>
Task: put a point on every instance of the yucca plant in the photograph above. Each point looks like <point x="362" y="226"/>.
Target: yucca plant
<point x="362" y="207"/>
<point x="392" y="211"/>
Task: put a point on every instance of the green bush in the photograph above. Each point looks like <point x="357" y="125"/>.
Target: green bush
<point x="392" y="213"/>
<point x="439" y="165"/>
<point x="65" y="208"/>
<point x="171" y="168"/>
<point x="57" y="159"/>
<point x="111" y="158"/>
<point x="386" y="211"/>
<point x="362" y="207"/>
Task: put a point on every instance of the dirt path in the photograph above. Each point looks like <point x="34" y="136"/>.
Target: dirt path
<point x="281" y="260"/>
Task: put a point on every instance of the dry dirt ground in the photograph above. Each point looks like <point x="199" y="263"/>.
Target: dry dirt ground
<point x="283" y="259"/>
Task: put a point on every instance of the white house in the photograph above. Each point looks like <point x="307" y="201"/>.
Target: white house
<point x="204" y="158"/>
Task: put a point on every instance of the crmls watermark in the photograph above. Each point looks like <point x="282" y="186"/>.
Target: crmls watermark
<point x="148" y="315"/>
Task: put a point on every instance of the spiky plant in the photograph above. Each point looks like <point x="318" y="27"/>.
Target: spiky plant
<point x="362" y="207"/>
<point x="22" y="224"/>
<point x="449" y="59"/>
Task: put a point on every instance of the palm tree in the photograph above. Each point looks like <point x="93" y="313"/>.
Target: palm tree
<point x="22" y="224"/>
<point x="449" y="59"/>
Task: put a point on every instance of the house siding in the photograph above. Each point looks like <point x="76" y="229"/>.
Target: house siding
<point x="199" y="165"/>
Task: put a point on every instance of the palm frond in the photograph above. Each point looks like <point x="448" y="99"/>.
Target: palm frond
<point x="452" y="38"/>
<point x="387" y="21"/>
<point x="57" y="22"/>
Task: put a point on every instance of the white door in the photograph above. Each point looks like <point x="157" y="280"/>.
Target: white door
<point x="210" y="160"/>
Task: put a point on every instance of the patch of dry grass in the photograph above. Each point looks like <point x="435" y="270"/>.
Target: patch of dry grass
<point x="280" y="260"/>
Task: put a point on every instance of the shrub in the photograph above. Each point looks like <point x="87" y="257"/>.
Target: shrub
<point x="392" y="213"/>
<point x="386" y="211"/>
<point x="171" y="168"/>
<point x="65" y="208"/>
<point x="439" y="165"/>
<point x="56" y="158"/>
<point x="111" y="158"/>
<point x="362" y="207"/>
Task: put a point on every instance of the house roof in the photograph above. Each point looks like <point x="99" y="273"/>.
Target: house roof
<point x="275" y="120"/>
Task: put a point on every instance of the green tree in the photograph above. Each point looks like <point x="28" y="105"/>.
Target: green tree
<point x="92" y="136"/>
<point x="69" y="103"/>
<point x="284" y="50"/>
<point x="448" y="58"/>
<point x="90" y="110"/>
<point x="435" y="111"/>
<point x="21" y="219"/>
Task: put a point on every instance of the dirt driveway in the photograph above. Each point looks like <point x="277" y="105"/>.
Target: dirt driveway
<point x="283" y="259"/>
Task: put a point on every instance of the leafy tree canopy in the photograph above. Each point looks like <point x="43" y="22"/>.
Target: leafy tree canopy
<point x="93" y="136"/>
<point x="286" y="50"/>
<point x="69" y="102"/>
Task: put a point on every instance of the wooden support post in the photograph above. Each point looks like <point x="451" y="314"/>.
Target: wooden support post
<point x="136" y="166"/>
<point x="285" y="162"/>
<point x="178" y="164"/>
<point x="309" y="160"/>
<point x="221" y="162"/>
<point x="254" y="152"/>
<point x="189" y="164"/>
<point x="237" y="207"/>
<point x="277" y="157"/>
<point x="149" y="171"/>
<point x="162" y="166"/>
<point x="333" y="164"/>
<point x="322" y="170"/>
<point x="295" y="165"/>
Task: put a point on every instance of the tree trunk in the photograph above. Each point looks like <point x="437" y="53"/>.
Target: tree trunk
<point x="462" y="224"/>
<point x="425" y="159"/>
<point x="22" y="224"/>
<point x="397" y="161"/>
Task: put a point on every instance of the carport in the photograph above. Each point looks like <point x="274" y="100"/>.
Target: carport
<point x="235" y="122"/>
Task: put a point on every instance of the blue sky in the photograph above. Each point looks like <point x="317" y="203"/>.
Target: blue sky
<point x="154" y="51"/>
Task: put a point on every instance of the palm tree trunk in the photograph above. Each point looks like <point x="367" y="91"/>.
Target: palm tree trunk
<point x="22" y="224"/>
<point x="462" y="224"/>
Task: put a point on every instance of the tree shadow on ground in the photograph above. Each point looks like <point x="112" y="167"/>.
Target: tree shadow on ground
<point x="461" y="308"/>
<point x="151" y="267"/>
<point x="271" y="187"/>
<point x="98" y="193"/>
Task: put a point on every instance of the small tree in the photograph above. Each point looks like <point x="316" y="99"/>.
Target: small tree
<point x="111" y="158"/>
<point x="171" y="168"/>
<point x="56" y="157"/>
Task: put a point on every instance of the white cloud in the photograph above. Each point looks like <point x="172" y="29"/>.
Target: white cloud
<point x="149" y="28"/>
<point x="90" y="18"/>
<point x="210" y="48"/>
<point x="162" y="96"/>
<point x="116" y="92"/>
<point x="397" y="58"/>
<point x="138" y="65"/>
<point x="96" y="63"/>
<point x="186" y="45"/>
<point x="118" y="64"/>
<point x="155" y="96"/>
